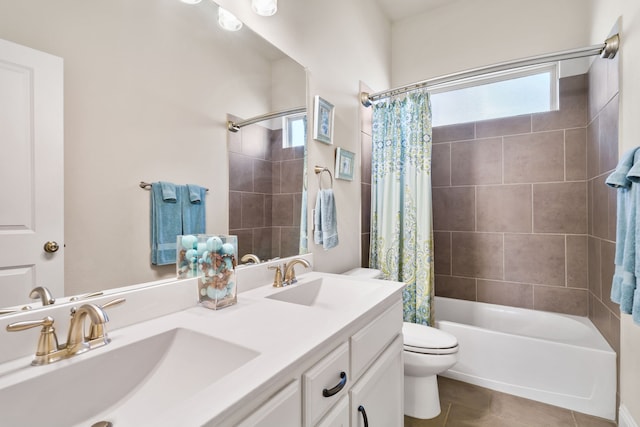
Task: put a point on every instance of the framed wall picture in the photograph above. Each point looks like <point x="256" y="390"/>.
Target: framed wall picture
<point x="345" y="163"/>
<point x="322" y="120"/>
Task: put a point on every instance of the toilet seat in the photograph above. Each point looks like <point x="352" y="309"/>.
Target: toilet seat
<point x="428" y="340"/>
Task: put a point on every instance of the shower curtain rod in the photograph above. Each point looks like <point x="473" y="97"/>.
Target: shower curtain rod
<point x="606" y="50"/>
<point x="235" y="126"/>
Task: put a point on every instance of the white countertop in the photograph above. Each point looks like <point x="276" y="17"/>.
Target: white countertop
<point x="287" y="336"/>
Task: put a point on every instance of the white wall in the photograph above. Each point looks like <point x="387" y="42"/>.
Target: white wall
<point x="467" y="34"/>
<point x="605" y="14"/>
<point x="340" y="43"/>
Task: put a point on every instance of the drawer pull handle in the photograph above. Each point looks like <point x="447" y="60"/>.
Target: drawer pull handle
<point x="336" y="389"/>
<point x="364" y="415"/>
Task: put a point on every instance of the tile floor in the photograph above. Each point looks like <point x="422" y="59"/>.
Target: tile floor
<point x="466" y="405"/>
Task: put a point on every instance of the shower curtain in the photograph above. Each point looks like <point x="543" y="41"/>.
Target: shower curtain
<point x="401" y="214"/>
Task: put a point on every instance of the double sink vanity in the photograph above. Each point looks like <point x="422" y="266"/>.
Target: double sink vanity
<point x="325" y="351"/>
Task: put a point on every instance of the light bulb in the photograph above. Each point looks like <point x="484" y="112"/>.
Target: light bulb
<point x="264" y="7"/>
<point x="228" y="20"/>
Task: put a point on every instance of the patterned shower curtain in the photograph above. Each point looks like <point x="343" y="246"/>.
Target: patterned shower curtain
<point x="401" y="214"/>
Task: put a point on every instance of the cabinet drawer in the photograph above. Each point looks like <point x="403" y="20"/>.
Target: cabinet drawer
<point x="367" y="344"/>
<point x="325" y="375"/>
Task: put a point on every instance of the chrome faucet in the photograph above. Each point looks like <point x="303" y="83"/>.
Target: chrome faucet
<point x="290" y="272"/>
<point x="250" y="257"/>
<point x="42" y="293"/>
<point x="76" y="341"/>
<point x="50" y="351"/>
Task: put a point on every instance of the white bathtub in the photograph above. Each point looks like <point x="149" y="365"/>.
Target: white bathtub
<point x="553" y="358"/>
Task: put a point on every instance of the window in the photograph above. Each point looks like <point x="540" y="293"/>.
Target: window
<point x="294" y="130"/>
<point x="503" y="94"/>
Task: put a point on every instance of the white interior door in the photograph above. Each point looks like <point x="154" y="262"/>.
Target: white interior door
<point x="31" y="172"/>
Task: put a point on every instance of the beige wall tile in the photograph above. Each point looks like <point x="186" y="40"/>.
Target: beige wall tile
<point x="442" y="252"/>
<point x="262" y="176"/>
<point x="597" y="77"/>
<point x="235" y="209"/>
<point x="613" y="209"/>
<point x="573" y="107"/>
<point x="441" y="165"/>
<point x="537" y="157"/>
<point x="454" y="208"/>
<point x="252" y="210"/>
<point x="367" y="146"/>
<point x="504" y="126"/>
<point x="575" y="146"/>
<point x="560" y="208"/>
<point x="593" y="148"/>
<point x="577" y="261"/>
<point x="282" y="210"/>
<point x="291" y="176"/>
<point x="459" y="132"/>
<point x="505" y="208"/>
<point x="561" y="300"/>
<point x="505" y="293"/>
<point x="455" y="287"/>
<point x="595" y="278"/>
<point x="537" y="259"/>
<point x="601" y="207"/>
<point x="477" y="255"/>
<point x="609" y="136"/>
<point x="366" y="208"/>
<point x="476" y="162"/>
<point x="242" y="171"/>
<point x="255" y="141"/>
<point x="607" y="267"/>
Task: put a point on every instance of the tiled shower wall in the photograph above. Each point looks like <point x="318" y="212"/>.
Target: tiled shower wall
<point x="510" y="207"/>
<point x="602" y="157"/>
<point x="521" y="213"/>
<point x="265" y="192"/>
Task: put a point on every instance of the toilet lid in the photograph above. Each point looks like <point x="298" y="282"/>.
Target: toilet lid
<point x="427" y="340"/>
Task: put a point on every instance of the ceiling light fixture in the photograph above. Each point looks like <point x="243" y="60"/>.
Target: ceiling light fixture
<point x="264" y="7"/>
<point x="191" y="1"/>
<point x="228" y="20"/>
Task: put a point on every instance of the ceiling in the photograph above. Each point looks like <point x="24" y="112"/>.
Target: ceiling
<point x="400" y="9"/>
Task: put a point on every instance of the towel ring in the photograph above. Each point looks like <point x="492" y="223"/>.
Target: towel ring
<point x="318" y="170"/>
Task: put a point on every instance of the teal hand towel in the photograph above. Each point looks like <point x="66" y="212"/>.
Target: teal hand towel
<point x="194" y="192"/>
<point x="166" y="223"/>
<point x="328" y="219"/>
<point x="193" y="212"/>
<point x="317" y="220"/>
<point x="168" y="191"/>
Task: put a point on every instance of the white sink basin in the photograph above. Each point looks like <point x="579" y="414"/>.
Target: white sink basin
<point x="324" y="292"/>
<point x="125" y="385"/>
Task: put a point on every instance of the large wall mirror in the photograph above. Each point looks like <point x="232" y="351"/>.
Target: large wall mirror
<point x="148" y="87"/>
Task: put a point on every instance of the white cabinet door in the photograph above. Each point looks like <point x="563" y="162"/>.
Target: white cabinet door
<point x="284" y="409"/>
<point x="378" y="395"/>
<point x="31" y="172"/>
<point x="338" y="416"/>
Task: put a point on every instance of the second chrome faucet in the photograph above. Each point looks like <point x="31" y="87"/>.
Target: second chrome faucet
<point x="288" y="272"/>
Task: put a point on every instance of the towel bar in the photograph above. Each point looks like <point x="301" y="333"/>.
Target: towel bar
<point x="147" y="185"/>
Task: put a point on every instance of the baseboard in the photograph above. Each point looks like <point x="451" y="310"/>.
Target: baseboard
<point x="625" y="418"/>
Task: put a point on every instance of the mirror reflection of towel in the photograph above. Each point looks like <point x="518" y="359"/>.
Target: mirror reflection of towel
<point x="175" y="210"/>
<point x="325" y="220"/>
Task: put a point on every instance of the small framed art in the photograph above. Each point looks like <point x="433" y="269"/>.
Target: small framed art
<point x="345" y="162"/>
<point x="322" y="120"/>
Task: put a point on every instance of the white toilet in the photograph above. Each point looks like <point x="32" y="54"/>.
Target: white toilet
<point x="427" y="352"/>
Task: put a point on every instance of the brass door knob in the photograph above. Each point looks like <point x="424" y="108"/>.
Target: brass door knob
<point x="51" y="247"/>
